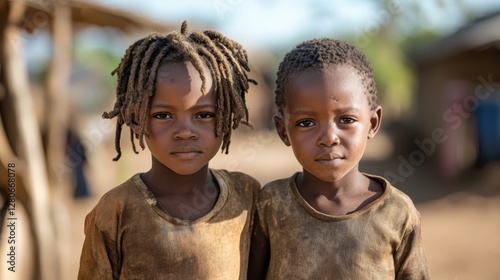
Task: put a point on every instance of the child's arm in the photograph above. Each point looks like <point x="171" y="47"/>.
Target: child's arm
<point x="100" y="255"/>
<point x="409" y="259"/>
<point x="259" y="253"/>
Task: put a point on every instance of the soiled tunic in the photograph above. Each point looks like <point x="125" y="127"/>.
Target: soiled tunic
<point x="129" y="236"/>
<point x="380" y="241"/>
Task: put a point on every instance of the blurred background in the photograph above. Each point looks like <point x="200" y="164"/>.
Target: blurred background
<point x="437" y="68"/>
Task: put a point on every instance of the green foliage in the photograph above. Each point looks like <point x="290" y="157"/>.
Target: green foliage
<point x="102" y="60"/>
<point x="393" y="75"/>
<point x="93" y="85"/>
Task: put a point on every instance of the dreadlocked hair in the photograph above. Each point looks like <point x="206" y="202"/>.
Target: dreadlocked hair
<point x="136" y="79"/>
<point x="321" y="54"/>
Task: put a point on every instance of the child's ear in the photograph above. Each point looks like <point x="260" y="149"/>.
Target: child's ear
<point x="375" y="121"/>
<point x="280" y="128"/>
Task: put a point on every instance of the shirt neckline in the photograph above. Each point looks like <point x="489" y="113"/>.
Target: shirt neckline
<point x="322" y="216"/>
<point x="153" y="202"/>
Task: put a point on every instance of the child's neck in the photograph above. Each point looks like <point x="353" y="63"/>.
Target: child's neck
<point x="347" y="195"/>
<point x="164" y="181"/>
<point x="186" y="197"/>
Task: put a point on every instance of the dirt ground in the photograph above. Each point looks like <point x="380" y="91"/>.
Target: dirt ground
<point x="460" y="218"/>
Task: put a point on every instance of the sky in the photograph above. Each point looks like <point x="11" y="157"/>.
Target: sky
<point x="281" y="24"/>
<point x="264" y="23"/>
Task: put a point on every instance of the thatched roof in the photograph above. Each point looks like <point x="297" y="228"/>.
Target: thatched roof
<point x="479" y="34"/>
<point x="91" y="13"/>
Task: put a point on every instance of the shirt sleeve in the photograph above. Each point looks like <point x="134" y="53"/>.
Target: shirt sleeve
<point x="262" y="212"/>
<point x="409" y="259"/>
<point x="100" y="258"/>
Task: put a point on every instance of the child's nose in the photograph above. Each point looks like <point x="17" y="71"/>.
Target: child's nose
<point x="329" y="135"/>
<point x="185" y="130"/>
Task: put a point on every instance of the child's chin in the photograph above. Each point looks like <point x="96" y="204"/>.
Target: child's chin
<point x="329" y="177"/>
<point x="187" y="170"/>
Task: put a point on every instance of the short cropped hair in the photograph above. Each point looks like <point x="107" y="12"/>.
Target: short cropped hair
<point x="321" y="54"/>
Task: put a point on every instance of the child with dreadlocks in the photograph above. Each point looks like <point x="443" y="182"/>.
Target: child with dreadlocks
<point x="332" y="221"/>
<point x="181" y="94"/>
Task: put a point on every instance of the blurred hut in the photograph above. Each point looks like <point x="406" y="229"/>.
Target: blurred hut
<point x="458" y="96"/>
<point x="29" y="146"/>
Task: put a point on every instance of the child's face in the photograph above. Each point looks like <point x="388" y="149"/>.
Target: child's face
<point x="181" y="121"/>
<point x="327" y="120"/>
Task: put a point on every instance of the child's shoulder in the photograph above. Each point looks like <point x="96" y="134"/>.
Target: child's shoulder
<point x="280" y="183"/>
<point x="278" y="188"/>
<point x="396" y="199"/>
<point x="239" y="186"/>
<point x="121" y="194"/>
<point x="123" y="189"/>
<point x="236" y="178"/>
<point x="115" y="202"/>
<point x="234" y="174"/>
<point x="396" y="195"/>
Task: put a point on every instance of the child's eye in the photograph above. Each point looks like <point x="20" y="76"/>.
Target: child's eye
<point x="305" y="123"/>
<point x="205" y="115"/>
<point x="347" y="120"/>
<point x="162" y="116"/>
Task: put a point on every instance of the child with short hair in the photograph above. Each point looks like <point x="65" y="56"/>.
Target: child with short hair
<point x="181" y="94"/>
<point x="332" y="221"/>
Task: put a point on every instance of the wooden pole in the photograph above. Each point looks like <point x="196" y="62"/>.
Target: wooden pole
<point x="58" y="124"/>
<point x="30" y="150"/>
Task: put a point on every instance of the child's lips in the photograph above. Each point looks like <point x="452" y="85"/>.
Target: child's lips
<point x="186" y="152"/>
<point x="329" y="159"/>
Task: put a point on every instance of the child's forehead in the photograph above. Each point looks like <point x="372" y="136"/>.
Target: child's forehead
<point x="184" y="71"/>
<point x="181" y="81"/>
<point x="331" y="75"/>
<point x="326" y="69"/>
<point x="339" y="83"/>
<point x="182" y="67"/>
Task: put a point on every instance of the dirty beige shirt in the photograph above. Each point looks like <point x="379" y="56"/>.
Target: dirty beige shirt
<point x="128" y="236"/>
<point x="380" y="241"/>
